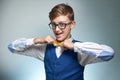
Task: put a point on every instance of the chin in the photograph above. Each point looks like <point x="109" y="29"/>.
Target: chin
<point x="60" y="39"/>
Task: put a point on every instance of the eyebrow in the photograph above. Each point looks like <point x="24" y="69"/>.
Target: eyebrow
<point x="60" y="22"/>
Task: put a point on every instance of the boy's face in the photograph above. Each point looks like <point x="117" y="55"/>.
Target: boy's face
<point x="62" y="34"/>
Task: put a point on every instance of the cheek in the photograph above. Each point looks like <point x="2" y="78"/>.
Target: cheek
<point x="67" y="31"/>
<point x="54" y="31"/>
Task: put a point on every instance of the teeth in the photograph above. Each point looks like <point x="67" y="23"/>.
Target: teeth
<point x="58" y="33"/>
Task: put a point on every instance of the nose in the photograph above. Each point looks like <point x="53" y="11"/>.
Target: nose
<point x="57" y="28"/>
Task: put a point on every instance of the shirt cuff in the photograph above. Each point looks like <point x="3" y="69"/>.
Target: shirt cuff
<point x="76" y="49"/>
<point x="30" y="42"/>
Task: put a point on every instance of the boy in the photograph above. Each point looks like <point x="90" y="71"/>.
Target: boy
<point x="64" y="57"/>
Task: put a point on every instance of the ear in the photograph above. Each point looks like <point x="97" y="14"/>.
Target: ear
<point x="73" y="24"/>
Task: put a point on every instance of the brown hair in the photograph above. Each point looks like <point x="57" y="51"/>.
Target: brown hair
<point x="62" y="9"/>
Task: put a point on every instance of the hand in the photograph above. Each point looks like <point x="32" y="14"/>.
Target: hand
<point x="46" y="39"/>
<point x="67" y="44"/>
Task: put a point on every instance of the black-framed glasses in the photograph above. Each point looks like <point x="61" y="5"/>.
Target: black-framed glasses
<point x="61" y="25"/>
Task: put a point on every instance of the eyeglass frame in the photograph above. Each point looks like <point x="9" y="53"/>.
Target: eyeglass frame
<point x="58" y="25"/>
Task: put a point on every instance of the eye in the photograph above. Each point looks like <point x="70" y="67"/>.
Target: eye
<point x="62" y="25"/>
<point x="53" y="25"/>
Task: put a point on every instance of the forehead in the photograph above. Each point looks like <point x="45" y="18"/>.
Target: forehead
<point x="60" y="19"/>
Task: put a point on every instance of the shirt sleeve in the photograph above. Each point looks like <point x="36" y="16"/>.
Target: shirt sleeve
<point x="27" y="47"/>
<point x="90" y="52"/>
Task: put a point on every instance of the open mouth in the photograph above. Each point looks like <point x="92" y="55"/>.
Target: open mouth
<point x="58" y="35"/>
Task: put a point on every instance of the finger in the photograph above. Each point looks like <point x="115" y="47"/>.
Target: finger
<point x="50" y="41"/>
<point x="64" y="48"/>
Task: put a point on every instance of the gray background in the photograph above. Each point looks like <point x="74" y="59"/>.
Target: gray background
<point x="96" y="21"/>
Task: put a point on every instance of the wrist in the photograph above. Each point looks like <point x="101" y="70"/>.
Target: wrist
<point x="72" y="46"/>
<point x="38" y="40"/>
<point x="35" y="41"/>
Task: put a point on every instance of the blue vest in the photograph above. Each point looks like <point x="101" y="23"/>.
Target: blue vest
<point x="66" y="67"/>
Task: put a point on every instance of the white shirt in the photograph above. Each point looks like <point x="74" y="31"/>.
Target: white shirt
<point x="88" y="52"/>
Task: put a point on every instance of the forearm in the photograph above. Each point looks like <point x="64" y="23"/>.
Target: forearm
<point x="39" y="40"/>
<point x="44" y="40"/>
<point x="27" y="47"/>
<point x="20" y="44"/>
<point x="23" y="43"/>
<point x="102" y="52"/>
